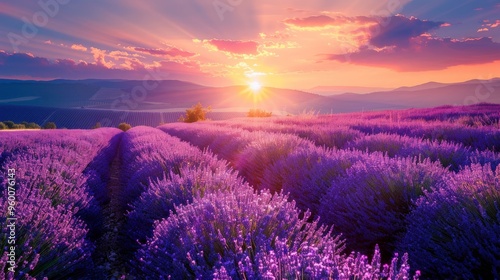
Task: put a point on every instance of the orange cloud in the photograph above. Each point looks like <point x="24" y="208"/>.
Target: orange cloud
<point x="100" y="57"/>
<point x="235" y="47"/>
<point x="78" y="47"/>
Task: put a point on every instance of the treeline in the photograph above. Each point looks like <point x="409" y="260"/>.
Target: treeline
<point x="25" y="125"/>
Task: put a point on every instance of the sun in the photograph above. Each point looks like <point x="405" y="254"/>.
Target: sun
<point x="255" y="86"/>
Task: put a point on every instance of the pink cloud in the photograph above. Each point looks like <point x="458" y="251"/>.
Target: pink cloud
<point x="324" y="21"/>
<point x="426" y="53"/>
<point x="234" y="47"/>
<point x="496" y="24"/>
<point x="482" y="29"/>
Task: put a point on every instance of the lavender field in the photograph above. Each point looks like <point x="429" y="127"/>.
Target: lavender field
<point x="410" y="194"/>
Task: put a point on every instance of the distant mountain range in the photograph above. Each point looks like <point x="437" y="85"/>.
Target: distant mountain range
<point x="172" y="95"/>
<point x="336" y="90"/>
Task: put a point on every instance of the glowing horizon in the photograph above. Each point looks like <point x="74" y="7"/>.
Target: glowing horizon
<point x="293" y="44"/>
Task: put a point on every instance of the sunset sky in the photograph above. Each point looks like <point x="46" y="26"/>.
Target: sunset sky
<point x="294" y="44"/>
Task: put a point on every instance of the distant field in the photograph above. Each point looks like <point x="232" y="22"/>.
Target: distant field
<point x="87" y="118"/>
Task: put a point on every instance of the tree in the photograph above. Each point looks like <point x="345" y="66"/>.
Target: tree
<point x="124" y="126"/>
<point x="97" y="125"/>
<point x="195" y="113"/>
<point x="9" y="124"/>
<point x="32" y="125"/>
<point x="258" y="113"/>
<point x="50" y="125"/>
<point x="3" y="126"/>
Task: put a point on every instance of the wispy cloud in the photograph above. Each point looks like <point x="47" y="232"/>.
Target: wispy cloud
<point x="168" y="51"/>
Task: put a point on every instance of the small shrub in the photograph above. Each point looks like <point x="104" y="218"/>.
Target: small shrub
<point x="124" y="126"/>
<point x="195" y="113"/>
<point x="98" y="125"/>
<point x="258" y="113"/>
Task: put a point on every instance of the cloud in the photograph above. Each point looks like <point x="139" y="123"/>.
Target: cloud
<point x="426" y="53"/>
<point x="78" y="47"/>
<point x="495" y="24"/>
<point x="398" y="30"/>
<point x="26" y="65"/>
<point x="100" y="57"/>
<point x="233" y="47"/>
<point x="169" y="51"/>
<point x="489" y="25"/>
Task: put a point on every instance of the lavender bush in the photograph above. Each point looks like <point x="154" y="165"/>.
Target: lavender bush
<point x="50" y="241"/>
<point x="454" y="232"/>
<point x="369" y="204"/>
<point x="230" y="230"/>
<point x="158" y="201"/>
<point x="260" y="154"/>
<point x="306" y="174"/>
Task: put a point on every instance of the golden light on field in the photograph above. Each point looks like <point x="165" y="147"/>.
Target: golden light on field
<point x="255" y="87"/>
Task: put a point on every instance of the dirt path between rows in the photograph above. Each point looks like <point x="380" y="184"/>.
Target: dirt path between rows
<point x="108" y="259"/>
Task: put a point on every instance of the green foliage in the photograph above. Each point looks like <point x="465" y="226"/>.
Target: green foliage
<point x="50" y="125"/>
<point x="31" y="125"/>
<point x="195" y="113"/>
<point x="124" y="126"/>
<point x="23" y="125"/>
<point x="258" y="113"/>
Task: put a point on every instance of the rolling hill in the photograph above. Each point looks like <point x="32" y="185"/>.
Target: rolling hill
<point x="84" y="102"/>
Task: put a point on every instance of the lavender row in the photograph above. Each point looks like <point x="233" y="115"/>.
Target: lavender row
<point x="148" y="154"/>
<point x="52" y="200"/>
<point x="475" y="115"/>
<point x="160" y="171"/>
<point x="332" y="136"/>
<point x="481" y="138"/>
<point x="452" y="155"/>
<point x="249" y="152"/>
